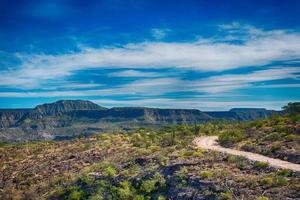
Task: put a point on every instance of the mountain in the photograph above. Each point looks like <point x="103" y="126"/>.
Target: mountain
<point x="242" y="114"/>
<point x="69" y="118"/>
<point x="66" y="106"/>
<point x="10" y="117"/>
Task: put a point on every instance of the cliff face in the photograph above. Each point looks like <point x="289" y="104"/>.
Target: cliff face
<point x="70" y="118"/>
<point x="242" y="114"/>
<point x="10" y="117"/>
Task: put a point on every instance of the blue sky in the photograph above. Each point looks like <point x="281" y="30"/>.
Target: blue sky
<point x="209" y="55"/>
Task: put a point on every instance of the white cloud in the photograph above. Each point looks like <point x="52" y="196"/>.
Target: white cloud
<point x="134" y="73"/>
<point x="280" y="86"/>
<point x="159" y="33"/>
<point x="217" y="84"/>
<point x="260" y="48"/>
<point x="221" y="85"/>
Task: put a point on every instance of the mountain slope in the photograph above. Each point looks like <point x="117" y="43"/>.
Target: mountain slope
<point x="242" y="114"/>
<point x="70" y="118"/>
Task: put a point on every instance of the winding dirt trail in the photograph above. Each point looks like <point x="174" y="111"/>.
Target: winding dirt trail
<point x="210" y="142"/>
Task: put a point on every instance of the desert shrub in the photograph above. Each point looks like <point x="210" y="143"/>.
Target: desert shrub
<point x="267" y="181"/>
<point x="248" y="147"/>
<point x="162" y="160"/>
<point x="188" y="153"/>
<point x="88" y="180"/>
<point x="161" y="198"/>
<point x="228" y="138"/>
<point x="261" y="165"/>
<point x="259" y="123"/>
<point x="290" y="137"/>
<point x="296" y="187"/>
<point x="274" y="136"/>
<point x="198" y="153"/>
<point x="103" y="186"/>
<point x="262" y="198"/>
<point x="148" y="186"/>
<point x="110" y="171"/>
<point x="153" y="184"/>
<point x="76" y="193"/>
<point x="276" y="146"/>
<point x="131" y="171"/>
<point x="281" y="181"/>
<point x="226" y="195"/>
<point x="284" y="172"/>
<point x="123" y="192"/>
<point x="206" y="174"/>
<point x="239" y="161"/>
<point x="252" y="182"/>
<point x="154" y="148"/>
<point x="182" y="172"/>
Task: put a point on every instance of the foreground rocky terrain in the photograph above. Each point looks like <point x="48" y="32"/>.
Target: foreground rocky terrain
<point x="70" y="118"/>
<point x="142" y="165"/>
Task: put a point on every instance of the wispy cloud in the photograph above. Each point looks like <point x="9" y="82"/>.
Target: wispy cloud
<point x="216" y="84"/>
<point x="134" y="73"/>
<point x="159" y="86"/>
<point x="159" y="33"/>
<point x="260" y="48"/>
<point x="279" y="86"/>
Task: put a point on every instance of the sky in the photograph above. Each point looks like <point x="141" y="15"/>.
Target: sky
<point x="207" y="55"/>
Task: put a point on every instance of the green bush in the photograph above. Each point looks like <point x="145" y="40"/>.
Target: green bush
<point x="206" y="174"/>
<point x="226" y="195"/>
<point x="228" y="138"/>
<point x="281" y="181"/>
<point x="267" y="181"/>
<point x="76" y="193"/>
<point x="161" y="198"/>
<point x="259" y="123"/>
<point x="290" y="137"/>
<point x="284" y="172"/>
<point x="124" y="192"/>
<point x="274" y="136"/>
<point x="262" y="198"/>
<point x="261" y="165"/>
<point x="239" y="161"/>
<point x="182" y="172"/>
<point x="110" y="171"/>
<point x="155" y="183"/>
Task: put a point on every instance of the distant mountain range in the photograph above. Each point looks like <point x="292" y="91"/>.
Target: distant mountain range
<point x="69" y="118"/>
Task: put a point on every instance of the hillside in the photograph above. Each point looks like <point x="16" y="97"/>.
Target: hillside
<point x="144" y="165"/>
<point x="242" y="114"/>
<point x="277" y="136"/>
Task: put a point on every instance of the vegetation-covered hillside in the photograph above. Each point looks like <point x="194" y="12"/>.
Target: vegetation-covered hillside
<point x="145" y="164"/>
<point x="277" y="136"/>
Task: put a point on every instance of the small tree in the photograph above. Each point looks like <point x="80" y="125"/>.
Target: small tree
<point x="292" y="108"/>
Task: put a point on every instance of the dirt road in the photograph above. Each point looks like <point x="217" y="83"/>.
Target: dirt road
<point x="210" y="142"/>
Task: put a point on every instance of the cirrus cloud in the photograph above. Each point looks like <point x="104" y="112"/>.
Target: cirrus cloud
<point x="259" y="48"/>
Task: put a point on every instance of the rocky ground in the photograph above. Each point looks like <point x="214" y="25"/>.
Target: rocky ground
<point x="142" y="165"/>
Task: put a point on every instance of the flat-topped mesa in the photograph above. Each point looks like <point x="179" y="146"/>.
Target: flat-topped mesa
<point x="252" y="113"/>
<point x="64" y="106"/>
<point x="242" y="114"/>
